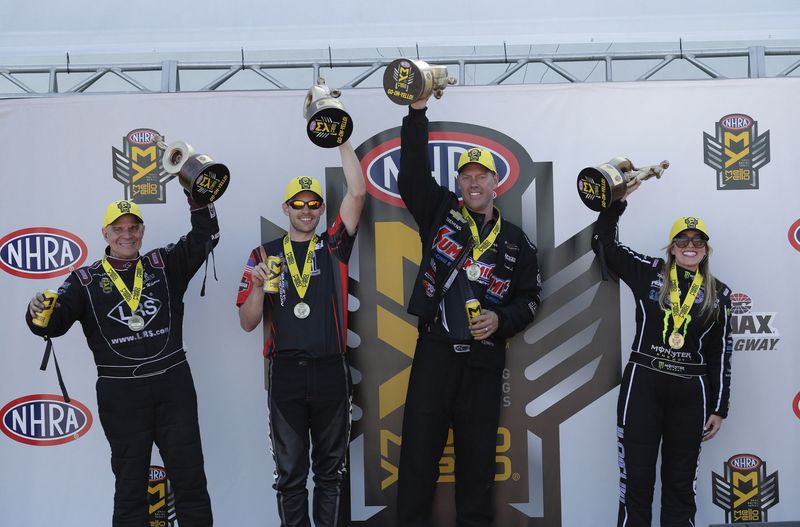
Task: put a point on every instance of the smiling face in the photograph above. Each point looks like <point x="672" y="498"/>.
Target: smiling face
<point x="124" y="236"/>
<point x="694" y="249"/>
<point x="303" y="222"/>
<point x="477" y="185"/>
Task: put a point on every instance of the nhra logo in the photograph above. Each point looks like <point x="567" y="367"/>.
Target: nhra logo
<point x="745" y="492"/>
<point x="148" y="308"/>
<point x="794" y="235"/>
<point x="736" y="152"/>
<point x="161" y="499"/>
<point x="41" y="252"/>
<point x="447" y="141"/>
<point x="751" y="331"/>
<point x="138" y="167"/>
<point x="45" y="420"/>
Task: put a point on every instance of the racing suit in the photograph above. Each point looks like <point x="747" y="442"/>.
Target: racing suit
<point x="145" y="391"/>
<point x="666" y="394"/>
<point x="310" y="388"/>
<point x="454" y="378"/>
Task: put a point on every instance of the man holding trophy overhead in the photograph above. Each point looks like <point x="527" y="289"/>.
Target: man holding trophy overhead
<point x="131" y="309"/>
<point x="298" y="285"/>
<point x="464" y="321"/>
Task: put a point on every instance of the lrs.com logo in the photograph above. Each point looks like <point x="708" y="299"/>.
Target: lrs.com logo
<point x="745" y="491"/>
<point x="45" y="420"/>
<point x="138" y="167"/>
<point x="736" y="152"/>
<point x="41" y="252"/>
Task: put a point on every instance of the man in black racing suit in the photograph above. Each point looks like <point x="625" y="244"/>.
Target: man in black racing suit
<point x="673" y="393"/>
<point x="145" y="391"/>
<point x="468" y="253"/>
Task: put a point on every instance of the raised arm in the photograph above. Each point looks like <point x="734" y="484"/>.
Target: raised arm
<point x="353" y="201"/>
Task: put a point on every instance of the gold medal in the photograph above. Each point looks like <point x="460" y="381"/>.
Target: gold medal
<point x="473" y="272"/>
<point x="302" y="310"/>
<point x="676" y="341"/>
<point x="136" y="323"/>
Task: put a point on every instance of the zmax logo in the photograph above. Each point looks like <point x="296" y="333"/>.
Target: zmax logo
<point x="41" y="252"/>
<point x="381" y="163"/>
<point x="45" y="420"/>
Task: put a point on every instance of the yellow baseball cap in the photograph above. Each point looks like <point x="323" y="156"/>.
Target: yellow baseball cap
<point x="688" y="222"/>
<point x="477" y="155"/>
<point x="299" y="184"/>
<point x="119" y="208"/>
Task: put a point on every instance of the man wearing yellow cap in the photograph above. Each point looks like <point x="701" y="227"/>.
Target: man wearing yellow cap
<point x="478" y="285"/>
<point x="676" y="385"/>
<point x="131" y="309"/>
<point x="304" y="305"/>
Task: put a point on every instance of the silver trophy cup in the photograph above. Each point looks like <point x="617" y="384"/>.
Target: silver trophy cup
<point x="203" y="178"/>
<point x="406" y="81"/>
<point x="600" y="186"/>
<point x="327" y="123"/>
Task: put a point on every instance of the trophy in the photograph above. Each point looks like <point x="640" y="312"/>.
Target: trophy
<point x="203" y="178"/>
<point x="599" y="187"/>
<point x="406" y="81"/>
<point x="329" y="125"/>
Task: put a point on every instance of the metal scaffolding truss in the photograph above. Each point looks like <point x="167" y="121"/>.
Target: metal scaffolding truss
<point x="166" y="76"/>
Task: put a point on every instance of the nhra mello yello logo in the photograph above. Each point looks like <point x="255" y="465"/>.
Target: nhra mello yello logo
<point x="161" y="499"/>
<point x="736" y="151"/>
<point x="752" y="330"/>
<point x="138" y="167"/>
<point x="744" y="491"/>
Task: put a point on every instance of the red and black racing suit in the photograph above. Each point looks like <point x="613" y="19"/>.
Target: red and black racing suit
<point x="310" y="390"/>
<point x="456" y="380"/>
<point x="145" y="391"/>
<point x="666" y="394"/>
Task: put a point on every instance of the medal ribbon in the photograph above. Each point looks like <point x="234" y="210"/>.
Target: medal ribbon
<point x="480" y="246"/>
<point x="679" y="313"/>
<point x="300" y="280"/>
<point x="132" y="298"/>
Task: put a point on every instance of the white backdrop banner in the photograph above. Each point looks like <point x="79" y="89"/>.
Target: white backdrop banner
<point x="730" y="145"/>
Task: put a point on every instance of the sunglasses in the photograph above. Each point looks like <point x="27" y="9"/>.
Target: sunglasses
<point x="682" y="242"/>
<point x="298" y="204"/>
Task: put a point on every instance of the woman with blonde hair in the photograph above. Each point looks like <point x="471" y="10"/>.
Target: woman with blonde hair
<point x="675" y="387"/>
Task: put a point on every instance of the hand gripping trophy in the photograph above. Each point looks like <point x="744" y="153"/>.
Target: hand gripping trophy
<point x="328" y="124"/>
<point x="599" y="187"/>
<point x="204" y="179"/>
<point x="406" y="81"/>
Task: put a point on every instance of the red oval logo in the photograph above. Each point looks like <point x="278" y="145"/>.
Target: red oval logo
<point x="41" y="252"/>
<point x="736" y="121"/>
<point x="142" y="136"/>
<point x="381" y="164"/>
<point x="45" y="420"/>
<point x="794" y="235"/>
<point x="745" y="462"/>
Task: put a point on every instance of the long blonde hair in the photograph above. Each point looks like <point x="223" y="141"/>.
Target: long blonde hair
<point x="709" y="306"/>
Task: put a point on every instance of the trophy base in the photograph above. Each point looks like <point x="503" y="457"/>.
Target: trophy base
<point x="204" y="179"/>
<point x="405" y="82"/>
<point x="599" y="187"/>
<point x="329" y="127"/>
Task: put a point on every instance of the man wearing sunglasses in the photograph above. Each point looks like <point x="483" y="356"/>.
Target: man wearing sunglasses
<point x="305" y="309"/>
<point x="474" y="262"/>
